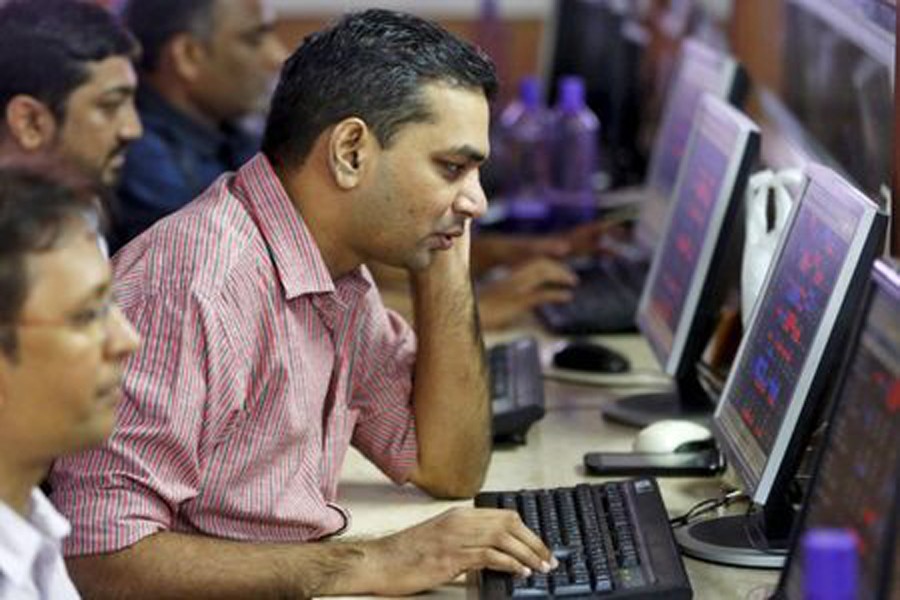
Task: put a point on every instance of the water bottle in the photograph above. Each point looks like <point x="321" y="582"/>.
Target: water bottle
<point x="491" y="34"/>
<point x="524" y="128"/>
<point x="575" y="130"/>
<point x="829" y="565"/>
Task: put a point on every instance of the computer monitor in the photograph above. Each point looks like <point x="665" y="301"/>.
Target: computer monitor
<point x="792" y="344"/>
<point x="700" y="69"/>
<point x="681" y="296"/>
<point x="838" y="80"/>
<point x="855" y="485"/>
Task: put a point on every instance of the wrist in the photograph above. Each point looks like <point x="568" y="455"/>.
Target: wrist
<point x="370" y="572"/>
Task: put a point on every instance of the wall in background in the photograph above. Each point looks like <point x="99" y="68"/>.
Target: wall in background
<point x="757" y="33"/>
<point x="519" y="43"/>
<point x="426" y="8"/>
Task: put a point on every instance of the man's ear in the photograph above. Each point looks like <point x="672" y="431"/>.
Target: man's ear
<point x="349" y="151"/>
<point x="30" y="123"/>
<point x="185" y="53"/>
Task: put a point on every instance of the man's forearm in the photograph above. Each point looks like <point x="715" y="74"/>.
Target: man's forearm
<point x="450" y="390"/>
<point x="170" y="565"/>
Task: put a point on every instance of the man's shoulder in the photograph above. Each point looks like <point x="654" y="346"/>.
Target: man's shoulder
<point x="196" y="247"/>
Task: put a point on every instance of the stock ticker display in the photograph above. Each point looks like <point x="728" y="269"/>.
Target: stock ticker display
<point x="687" y="230"/>
<point x="791" y="311"/>
<point x="674" y="138"/>
<point x="856" y="485"/>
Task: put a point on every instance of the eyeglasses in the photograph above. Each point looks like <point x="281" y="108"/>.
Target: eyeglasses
<point x="92" y="320"/>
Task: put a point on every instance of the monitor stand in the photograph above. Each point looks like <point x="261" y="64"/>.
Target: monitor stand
<point x="686" y="401"/>
<point x="737" y="540"/>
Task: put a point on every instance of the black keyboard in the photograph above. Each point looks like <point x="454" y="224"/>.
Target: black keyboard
<point x="605" y="300"/>
<point x="612" y="540"/>
<point x="517" y="388"/>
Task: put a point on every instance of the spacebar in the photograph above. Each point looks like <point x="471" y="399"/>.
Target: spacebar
<point x="573" y="589"/>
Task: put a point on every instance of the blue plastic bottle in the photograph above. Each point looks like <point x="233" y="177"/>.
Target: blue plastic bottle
<point x="574" y="130"/>
<point x="524" y="128"/>
<point x="829" y="565"/>
<point x="491" y="33"/>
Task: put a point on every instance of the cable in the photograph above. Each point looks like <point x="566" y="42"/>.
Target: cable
<point x="705" y="506"/>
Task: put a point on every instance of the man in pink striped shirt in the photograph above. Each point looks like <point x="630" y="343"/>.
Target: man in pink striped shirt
<point x="267" y="350"/>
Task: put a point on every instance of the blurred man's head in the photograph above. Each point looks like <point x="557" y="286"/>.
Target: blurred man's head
<point x="217" y="56"/>
<point x="62" y="340"/>
<point x="67" y="84"/>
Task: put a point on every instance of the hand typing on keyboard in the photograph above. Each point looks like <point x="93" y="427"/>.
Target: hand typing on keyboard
<point x="611" y="539"/>
<point x="446" y="546"/>
<point x="529" y="284"/>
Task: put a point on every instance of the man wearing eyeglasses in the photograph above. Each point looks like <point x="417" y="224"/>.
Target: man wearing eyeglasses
<point x="62" y="347"/>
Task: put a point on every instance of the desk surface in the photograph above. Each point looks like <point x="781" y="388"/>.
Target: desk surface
<point x="551" y="457"/>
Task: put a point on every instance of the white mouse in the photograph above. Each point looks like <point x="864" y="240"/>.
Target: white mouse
<point x="670" y="435"/>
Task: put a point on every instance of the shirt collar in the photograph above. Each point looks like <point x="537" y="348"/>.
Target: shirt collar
<point x="300" y="266"/>
<point x="21" y="539"/>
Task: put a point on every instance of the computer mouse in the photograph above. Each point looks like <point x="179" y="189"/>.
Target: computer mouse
<point x="590" y="357"/>
<point x="673" y="435"/>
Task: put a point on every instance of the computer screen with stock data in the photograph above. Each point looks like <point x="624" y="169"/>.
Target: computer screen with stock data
<point x="700" y="69"/>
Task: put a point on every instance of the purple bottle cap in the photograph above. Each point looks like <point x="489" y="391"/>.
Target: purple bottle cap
<point x="571" y="93"/>
<point x="489" y="9"/>
<point x="829" y="565"/>
<point x="530" y="92"/>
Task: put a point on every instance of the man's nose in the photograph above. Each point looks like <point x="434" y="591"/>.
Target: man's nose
<point x="131" y="128"/>
<point x="472" y="200"/>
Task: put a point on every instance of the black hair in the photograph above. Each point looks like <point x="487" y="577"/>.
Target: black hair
<point x="39" y="200"/>
<point x="155" y="22"/>
<point x="46" y="45"/>
<point x="371" y="65"/>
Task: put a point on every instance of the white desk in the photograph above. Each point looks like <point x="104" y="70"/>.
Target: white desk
<point x="552" y="457"/>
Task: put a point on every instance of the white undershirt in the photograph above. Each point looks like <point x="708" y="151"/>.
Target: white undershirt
<point x="31" y="563"/>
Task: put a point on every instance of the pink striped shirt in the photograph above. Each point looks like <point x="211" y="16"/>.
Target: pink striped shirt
<point x="256" y="372"/>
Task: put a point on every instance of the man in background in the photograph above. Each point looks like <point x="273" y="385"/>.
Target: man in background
<point x="62" y="347"/>
<point x="206" y="64"/>
<point x="67" y="85"/>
